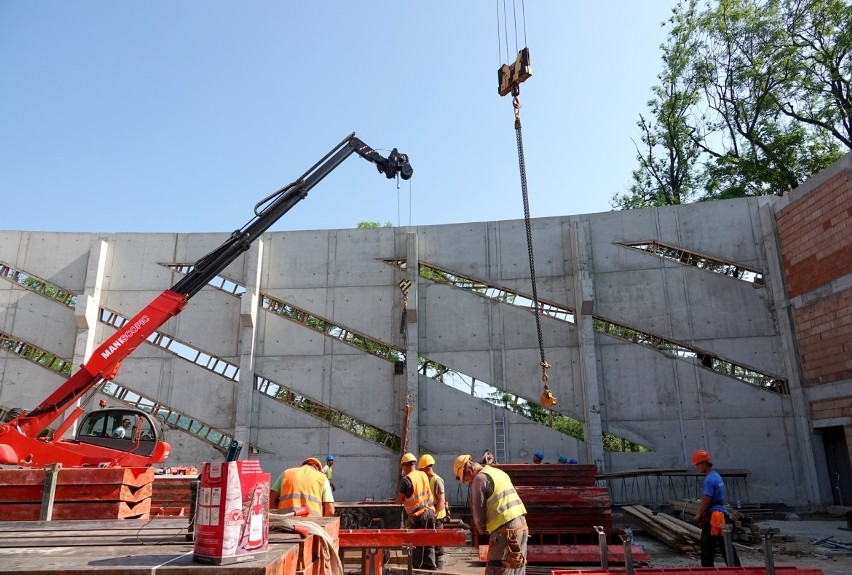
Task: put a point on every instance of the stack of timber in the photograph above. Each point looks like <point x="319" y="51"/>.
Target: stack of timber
<point x="675" y="533"/>
<point x="744" y="528"/>
<point x="81" y="493"/>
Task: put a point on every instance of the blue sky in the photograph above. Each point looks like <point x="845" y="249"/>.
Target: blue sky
<point x="177" y="116"/>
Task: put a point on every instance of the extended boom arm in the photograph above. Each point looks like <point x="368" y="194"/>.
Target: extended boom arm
<point x="106" y="360"/>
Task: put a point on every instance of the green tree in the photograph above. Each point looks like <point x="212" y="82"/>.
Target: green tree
<point x="372" y="225"/>
<point x="666" y="174"/>
<point x="761" y="88"/>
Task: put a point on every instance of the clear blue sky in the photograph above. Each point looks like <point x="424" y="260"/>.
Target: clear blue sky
<point x="163" y="116"/>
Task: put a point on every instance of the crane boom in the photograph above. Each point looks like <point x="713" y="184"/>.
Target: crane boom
<point x="19" y="442"/>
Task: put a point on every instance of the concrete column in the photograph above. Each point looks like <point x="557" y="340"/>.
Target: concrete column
<point x="802" y="463"/>
<point x="584" y="288"/>
<point x="249" y="309"/>
<point x="88" y="306"/>
<point x="412" y="351"/>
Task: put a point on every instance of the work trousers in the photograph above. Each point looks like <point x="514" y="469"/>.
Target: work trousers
<point x="423" y="557"/>
<point x="709" y="544"/>
<point x="498" y="547"/>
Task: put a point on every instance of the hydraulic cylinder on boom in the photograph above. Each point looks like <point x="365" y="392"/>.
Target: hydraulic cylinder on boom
<point x="101" y="439"/>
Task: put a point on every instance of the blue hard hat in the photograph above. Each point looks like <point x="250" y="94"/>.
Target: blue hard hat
<point x="562" y="459"/>
<point x="539" y="454"/>
<point x="572" y="461"/>
<point x="329" y="457"/>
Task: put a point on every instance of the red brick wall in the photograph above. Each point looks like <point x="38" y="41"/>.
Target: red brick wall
<point x="832" y="408"/>
<point x="816" y="235"/>
<point x="824" y="331"/>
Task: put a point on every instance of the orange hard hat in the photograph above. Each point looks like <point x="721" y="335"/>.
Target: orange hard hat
<point x="700" y="456"/>
<point x="313" y="462"/>
<point x="458" y="465"/>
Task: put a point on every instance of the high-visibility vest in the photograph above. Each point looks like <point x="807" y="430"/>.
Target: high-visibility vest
<point x="421" y="497"/>
<point x="432" y="481"/>
<point x="302" y="486"/>
<point x="504" y="504"/>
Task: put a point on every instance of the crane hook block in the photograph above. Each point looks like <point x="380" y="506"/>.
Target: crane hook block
<point x="509" y="77"/>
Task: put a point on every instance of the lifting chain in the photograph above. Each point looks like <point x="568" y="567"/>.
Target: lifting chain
<point x="547" y="398"/>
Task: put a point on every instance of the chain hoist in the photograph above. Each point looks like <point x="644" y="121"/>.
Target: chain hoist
<point x="509" y="79"/>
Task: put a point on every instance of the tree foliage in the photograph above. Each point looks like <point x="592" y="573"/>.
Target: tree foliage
<point x="754" y="97"/>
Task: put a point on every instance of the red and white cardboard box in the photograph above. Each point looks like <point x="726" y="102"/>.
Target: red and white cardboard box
<point x="232" y="513"/>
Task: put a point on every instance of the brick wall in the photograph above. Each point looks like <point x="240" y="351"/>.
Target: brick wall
<point x="816" y="235"/>
<point x="824" y="331"/>
<point x="832" y="408"/>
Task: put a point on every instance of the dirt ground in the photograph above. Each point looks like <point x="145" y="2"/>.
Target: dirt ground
<point x="800" y="552"/>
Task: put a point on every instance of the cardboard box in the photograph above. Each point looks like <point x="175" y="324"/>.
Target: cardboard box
<point x="232" y="515"/>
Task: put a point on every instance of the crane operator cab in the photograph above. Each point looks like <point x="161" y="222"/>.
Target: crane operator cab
<point x="122" y="429"/>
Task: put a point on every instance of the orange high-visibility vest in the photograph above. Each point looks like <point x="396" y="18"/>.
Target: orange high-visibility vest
<point x="421" y="497"/>
<point x="302" y="486"/>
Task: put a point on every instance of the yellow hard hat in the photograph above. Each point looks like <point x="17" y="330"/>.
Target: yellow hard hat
<point x="458" y="465"/>
<point x="425" y="461"/>
<point x="407" y="458"/>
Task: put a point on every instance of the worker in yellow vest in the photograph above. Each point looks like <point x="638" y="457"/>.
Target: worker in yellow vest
<point x="496" y="509"/>
<point x="439" y="496"/>
<point x="416" y="498"/>
<point x="328" y="470"/>
<point x="303" y="486"/>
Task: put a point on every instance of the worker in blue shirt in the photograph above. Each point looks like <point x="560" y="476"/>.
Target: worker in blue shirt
<point x="712" y="515"/>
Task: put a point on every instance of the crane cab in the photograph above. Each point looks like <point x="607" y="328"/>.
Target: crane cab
<point x="122" y="429"/>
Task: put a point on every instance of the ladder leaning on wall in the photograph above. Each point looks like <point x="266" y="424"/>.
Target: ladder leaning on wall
<point x="499" y="425"/>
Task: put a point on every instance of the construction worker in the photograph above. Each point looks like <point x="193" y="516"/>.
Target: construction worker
<point x="328" y="471"/>
<point x="439" y="496"/>
<point x="712" y="515"/>
<point x="538" y="457"/>
<point x="416" y="498"/>
<point x="496" y="509"/>
<point x="303" y="486"/>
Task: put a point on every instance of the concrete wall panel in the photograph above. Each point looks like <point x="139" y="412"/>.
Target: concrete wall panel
<point x="669" y="404"/>
<point x="298" y="259"/>
<point x="41" y="322"/>
<point x="282" y="336"/>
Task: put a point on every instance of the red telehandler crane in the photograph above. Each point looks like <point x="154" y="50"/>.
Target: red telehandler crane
<point x="130" y="437"/>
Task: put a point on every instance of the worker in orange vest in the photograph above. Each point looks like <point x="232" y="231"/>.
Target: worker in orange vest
<point x="303" y="486"/>
<point x="416" y="498"/>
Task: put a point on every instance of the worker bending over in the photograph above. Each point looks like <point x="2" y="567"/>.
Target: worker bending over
<point x="496" y="509"/>
<point x="416" y="498"/>
<point x="303" y="486"/>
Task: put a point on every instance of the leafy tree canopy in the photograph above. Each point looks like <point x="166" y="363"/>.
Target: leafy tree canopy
<point x="754" y="96"/>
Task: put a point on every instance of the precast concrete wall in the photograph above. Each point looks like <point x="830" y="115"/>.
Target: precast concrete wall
<point x="303" y="298"/>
